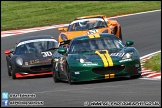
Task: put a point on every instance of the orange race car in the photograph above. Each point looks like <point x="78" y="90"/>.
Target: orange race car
<point x="88" y="25"/>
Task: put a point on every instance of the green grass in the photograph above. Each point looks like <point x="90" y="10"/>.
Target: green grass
<point x="28" y="14"/>
<point x="154" y="63"/>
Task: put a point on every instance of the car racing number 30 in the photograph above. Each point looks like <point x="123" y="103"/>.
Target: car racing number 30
<point x="46" y="54"/>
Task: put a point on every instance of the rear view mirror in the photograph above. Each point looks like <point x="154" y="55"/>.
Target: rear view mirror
<point x="129" y="43"/>
<point x="113" y="24"/>
<point x="62" y="50"/>
<point x="7" y="52"/>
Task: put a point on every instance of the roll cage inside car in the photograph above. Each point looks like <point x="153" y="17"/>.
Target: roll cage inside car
<point x="70" y="25"/>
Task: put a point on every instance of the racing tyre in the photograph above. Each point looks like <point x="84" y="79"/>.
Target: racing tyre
<point x="55" y="78"/>
<point x="13" y="74"/>
<point x="135" y="76"/>
<point x="68" y="75"/>
<point x="55" y="75"/>
<point x="9" y="69"/>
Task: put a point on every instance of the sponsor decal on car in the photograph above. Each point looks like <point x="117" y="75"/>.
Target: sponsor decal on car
<point x="92" y="31"/>
<point x="26" y="63"/>
<point x="125" y="60"/>
<point x="90" y="64"/>
<point x="39" y="61"/>
<point x="117" y="54"/>
<point x="34" y="61"/>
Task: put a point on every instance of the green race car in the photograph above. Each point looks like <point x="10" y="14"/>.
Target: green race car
<point x="95" y="57"/>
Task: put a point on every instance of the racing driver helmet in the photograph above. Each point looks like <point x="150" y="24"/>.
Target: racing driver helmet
<point x="83" y="24"/>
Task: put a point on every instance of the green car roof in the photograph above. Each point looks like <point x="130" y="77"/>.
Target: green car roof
<point x="91" y="36"/>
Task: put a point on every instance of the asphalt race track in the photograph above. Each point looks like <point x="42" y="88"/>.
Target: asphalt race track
<point x="143" y="29"/>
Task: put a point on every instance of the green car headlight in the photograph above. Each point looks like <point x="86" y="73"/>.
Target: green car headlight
<point x="19" y="61"/>
<point x="127" y="55"/>
<point x="83" y="60"/>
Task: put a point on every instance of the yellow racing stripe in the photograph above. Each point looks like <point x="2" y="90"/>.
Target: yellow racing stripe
<point x="96" y="35"/>
<point x="91" y="36"/>
<point x="109" y="58"/>
<point x="105" y="58"/>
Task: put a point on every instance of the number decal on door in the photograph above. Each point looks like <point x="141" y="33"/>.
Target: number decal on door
<point x="46" y="54"/>
<point x="92" y="31"/>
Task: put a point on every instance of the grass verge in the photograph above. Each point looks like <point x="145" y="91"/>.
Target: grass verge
<point x="154" y="63"/>
<point x="28" y="14"/>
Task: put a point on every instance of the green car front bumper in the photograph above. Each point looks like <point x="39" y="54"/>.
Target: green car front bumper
<point x="94" y="71"/>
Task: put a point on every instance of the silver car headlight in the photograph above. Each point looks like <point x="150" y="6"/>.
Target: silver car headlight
<point x="19" y="61"/>
<point x="82" y="60"/>
<point x="127" y="55"/>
